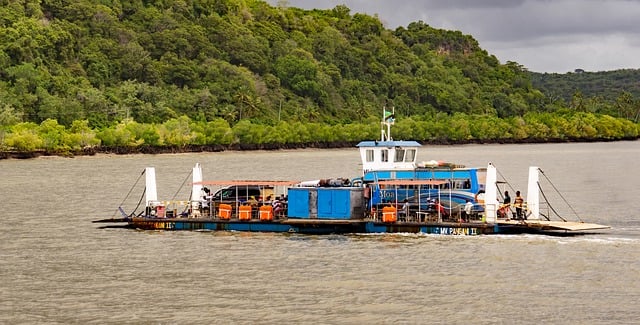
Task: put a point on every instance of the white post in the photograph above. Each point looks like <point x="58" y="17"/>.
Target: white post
<point x="491" y="195"/>
<point x="533" y="194"/>
<point x="150" y="183"/>
<point x="196" y="190"/>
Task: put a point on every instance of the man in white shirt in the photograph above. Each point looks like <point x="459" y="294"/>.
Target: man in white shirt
<point x="467" y="210"/>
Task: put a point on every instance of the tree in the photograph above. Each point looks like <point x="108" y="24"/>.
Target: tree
<point x="8" y="116"/>
<point x="23" y="137"/>
<point x="52" y="135"/>
<point x="80" y="136"/>
<point x="177" y="132"/>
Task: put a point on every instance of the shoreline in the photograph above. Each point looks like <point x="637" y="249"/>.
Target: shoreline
<point x="269" y="147"/>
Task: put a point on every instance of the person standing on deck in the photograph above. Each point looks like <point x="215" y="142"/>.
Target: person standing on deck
<point x="468" y="207"/>
<point x="506" y="205"/>
<point x="205" y="202"/>
<point x="507" y="199"/>
<point x="518" y="202"/>
<point x="405" y="209"/>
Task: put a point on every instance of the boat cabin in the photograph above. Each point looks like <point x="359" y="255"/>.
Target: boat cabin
<point x="388" y="155"/>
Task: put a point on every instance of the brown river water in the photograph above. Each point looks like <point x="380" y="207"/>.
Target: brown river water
<point x="56" y="267"/>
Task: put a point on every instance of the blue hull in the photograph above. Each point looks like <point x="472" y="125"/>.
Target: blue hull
<point x="318" y="227"/>
<point x="436" y="229"/>
<point x="294" y="226"/>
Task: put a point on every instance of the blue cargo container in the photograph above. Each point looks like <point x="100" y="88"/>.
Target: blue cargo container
<point x="326" y="203"/>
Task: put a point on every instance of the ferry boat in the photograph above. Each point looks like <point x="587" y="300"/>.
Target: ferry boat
<point x="394" y="194"/>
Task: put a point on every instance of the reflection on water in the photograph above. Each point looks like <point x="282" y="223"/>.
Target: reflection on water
<point x="58" y="267"/>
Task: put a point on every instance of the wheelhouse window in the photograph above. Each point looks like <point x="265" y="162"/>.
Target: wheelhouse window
<point x="384" y="155"/>
<point x="369" y="155"/>
<point x="399" y="155"/>
<point x="462" y="183"/>
<point x="410" y="155"/>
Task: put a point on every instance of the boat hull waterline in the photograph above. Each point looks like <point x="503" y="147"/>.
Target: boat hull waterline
<point x="325" y="227"/>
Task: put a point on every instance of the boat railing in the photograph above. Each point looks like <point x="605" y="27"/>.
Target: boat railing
<point x="241" y="210"/>
<point x="168" y="209"/>
<point x="209" y="210"/>
<point x="429" y="215"/>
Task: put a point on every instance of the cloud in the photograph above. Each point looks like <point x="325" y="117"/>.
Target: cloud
<point x="565" y="54"/>
<point x="543" y="35"/>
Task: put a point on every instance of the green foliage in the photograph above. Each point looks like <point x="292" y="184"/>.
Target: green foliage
<point x="180" y="132"/>
<point x="607" y="84"/>
<point x="52" y="134"/>
<point x="616" y="93"/>
<point x="80" y="135"/>
<point x="8" y="116"/>
<point x="120" y="135"/>
<point x="75" y="74"/>
<point x="177" y="132"/>
<point x="24" y="137"/>
<point x="152" y="62"/>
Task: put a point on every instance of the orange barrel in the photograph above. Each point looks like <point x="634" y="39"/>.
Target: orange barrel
<point x="266" y="213"/>
<point x="389" y="214"/>
<point x="244" y="212"/>
<point x="224" y="211"/>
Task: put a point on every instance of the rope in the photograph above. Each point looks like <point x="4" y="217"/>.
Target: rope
<point x="550" y="206"/>
<point x="139" y="201"/>
<point x="559" y="193"/>
<point x="180" y="188"/>
<point x="505" y="181"/>
<point x="545" y="216"/>
<point x="186" y="207"/>
<point x="130" y="190"/>
<point x="500" y="193"/>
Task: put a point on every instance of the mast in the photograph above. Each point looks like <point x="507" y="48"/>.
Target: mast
<point x="388" y="118"/>
<point x="386" y="153"/>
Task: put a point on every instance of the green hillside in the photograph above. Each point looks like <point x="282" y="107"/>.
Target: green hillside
<point x="222" y="72"/>
<point x="615" y="92"/>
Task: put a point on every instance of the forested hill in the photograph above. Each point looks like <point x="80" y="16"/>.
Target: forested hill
<point x="605" y="85"/>
<point x="153" y="60"/>
<point x="177" y="72"/>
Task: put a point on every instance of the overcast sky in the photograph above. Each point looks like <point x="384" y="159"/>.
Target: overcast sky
<point x="542" y="35"/>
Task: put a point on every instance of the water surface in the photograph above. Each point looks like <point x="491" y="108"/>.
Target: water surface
<point x="58" y="267"/>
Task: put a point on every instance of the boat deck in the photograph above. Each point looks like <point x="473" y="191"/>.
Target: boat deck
<point x="545" y="226"/>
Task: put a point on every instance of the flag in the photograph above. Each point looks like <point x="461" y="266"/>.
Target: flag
<point x="389" y="116"/>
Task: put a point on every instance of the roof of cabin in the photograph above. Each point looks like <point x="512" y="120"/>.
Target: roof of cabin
<point x="248" y="182"/>
<point x="388" y="144"/>
<point x="413" y="182"/>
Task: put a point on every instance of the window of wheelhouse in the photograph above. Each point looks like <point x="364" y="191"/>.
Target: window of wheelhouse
<point x="369" y="154"/>
<point x="410" y="155"/>
<point x="384" y="155"/>
<point x="461" y="183"/>
<point x="399" y="155"/>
